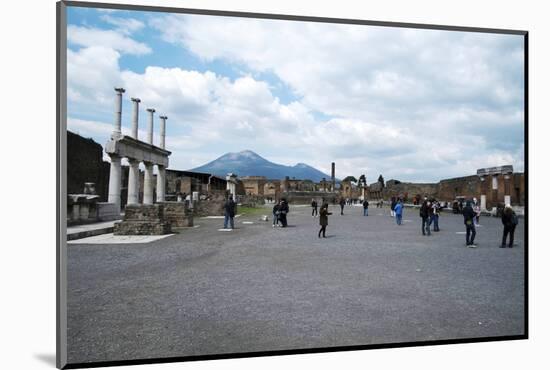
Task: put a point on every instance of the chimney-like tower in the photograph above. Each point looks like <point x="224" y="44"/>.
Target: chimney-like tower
<point x="332" y="176"/>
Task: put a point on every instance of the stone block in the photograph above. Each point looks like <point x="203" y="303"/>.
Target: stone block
<point x="143" y="219"/>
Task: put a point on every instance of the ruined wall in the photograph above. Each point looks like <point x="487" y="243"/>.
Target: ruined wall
<point x="468" y="186"/>
<point x="85" y="164"/>
<point x="408" y="189"/>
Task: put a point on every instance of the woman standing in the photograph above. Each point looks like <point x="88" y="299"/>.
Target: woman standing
<point x="323" y="219"/>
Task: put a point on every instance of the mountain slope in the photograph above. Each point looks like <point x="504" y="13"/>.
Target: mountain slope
<point x="248" y="163"/>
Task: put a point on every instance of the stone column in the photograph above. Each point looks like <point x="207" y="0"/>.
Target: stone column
<point x="114" y="181"/>
<point x="163" y="131"/>
<point x="133" y="182"/>
<point x="148" y="184"/>
<point x="117" y="129"/>
<point x="161" y="183"/>
<point x="150" y="126"/>
<point x="135" y="118"/>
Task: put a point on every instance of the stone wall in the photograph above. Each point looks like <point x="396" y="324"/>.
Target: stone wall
<point x="143" y="219"/>
<point x="409" y="190"/>
<point x="85" y="164"/>
<point x="178" y="215"/>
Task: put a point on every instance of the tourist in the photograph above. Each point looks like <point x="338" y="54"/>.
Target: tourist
<point x="510" y="221"/>
<point x="392" y="206"/>
<point x="276" y="212"/>
<point x="469" y="214"/>
<point x="477" y="211"/>
<point x="398" y="209"/>
<point x="323" y="219"/>
<point x="365" y="207"/>
<point x="283" y="212"/>
<point x="229" y="212"/>
<point x="424" y="214"/>
<point x="436" y="210"/>
<point x="314" y="208"/>
<point x="342" y="204"/>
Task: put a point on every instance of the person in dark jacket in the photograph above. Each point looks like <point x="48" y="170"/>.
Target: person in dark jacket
<point x="323" y="219"/>
<point x="342" y="204"/>
<point x="365" y="207"/>
<point x="509" y="220"/>
<point x="392" y="206"/>
<point x="276" y="212"/>
<point x="229" y="212"/>
<point x="283" y="212"/>
<point x="469" y="214"/>
<point x="425" y="215"/>
<point x="314" y="208"/>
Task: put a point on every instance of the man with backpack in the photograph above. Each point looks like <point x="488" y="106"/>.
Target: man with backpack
<point x="425" y="215"/>
<point x="365" y="207"/>
<point x="510" y="221"/>
<point x="469" y="214"/>
<point x="229" y="212"/>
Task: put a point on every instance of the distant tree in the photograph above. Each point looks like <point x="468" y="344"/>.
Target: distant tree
<point x="350" y="179"/>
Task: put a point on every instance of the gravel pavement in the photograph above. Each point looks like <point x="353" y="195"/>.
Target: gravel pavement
<point x="260" y="288"/>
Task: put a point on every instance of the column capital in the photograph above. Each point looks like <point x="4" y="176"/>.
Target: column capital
<point x="163" y="117"/>
<point x="151" y="110"/>
<point x="137" y="100"/>
<point x="120" y="90"/>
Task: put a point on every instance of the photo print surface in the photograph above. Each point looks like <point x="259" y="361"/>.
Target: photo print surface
<point x="241" y="185"/>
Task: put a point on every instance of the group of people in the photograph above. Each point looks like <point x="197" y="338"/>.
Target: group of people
<point x="280" y="210"/>
<point x="430" y="211"/>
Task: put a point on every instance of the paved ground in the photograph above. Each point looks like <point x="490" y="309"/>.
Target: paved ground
<point x="258" y="288"/>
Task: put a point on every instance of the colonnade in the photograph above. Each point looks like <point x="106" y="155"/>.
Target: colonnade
<point x="136" y="153"/>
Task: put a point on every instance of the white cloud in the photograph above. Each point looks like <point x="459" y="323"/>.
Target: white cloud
<point x="410" y="104"/>
<point x="124" y="25"/>
<point x="89" y="36"/>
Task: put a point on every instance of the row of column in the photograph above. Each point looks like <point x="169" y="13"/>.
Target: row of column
<point x="115" y="178"/>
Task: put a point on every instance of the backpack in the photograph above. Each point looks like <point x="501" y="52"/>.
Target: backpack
<point x="514" y="219"/>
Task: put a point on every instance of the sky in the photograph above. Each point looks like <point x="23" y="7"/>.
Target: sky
<point x="410" y="104"/>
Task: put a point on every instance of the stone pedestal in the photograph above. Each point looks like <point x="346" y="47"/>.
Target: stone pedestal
<point x="143" y="219"/>
<point x="178" y="215"/>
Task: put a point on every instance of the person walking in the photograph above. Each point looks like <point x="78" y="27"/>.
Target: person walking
<point x="365" y="207"/>
<point x="436" y="209"/>
<point x="276" y="212"/>
<point x="229" y="213"/>
<point x="392" y="206"/>
<point x="323" y="219"/>
<point x="399" y="212"/>
<point x="425" y="214"/>
<point x="509" y="221"/>
<point x="469" y="214"/>
<point x="477" y="211"/>
<point x="342" y="204"/>
<point x="283" y="209"/>
<point x="314" y="208"/>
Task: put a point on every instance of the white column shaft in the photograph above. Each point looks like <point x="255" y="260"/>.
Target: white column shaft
<point x="114" y="181"/>
<point x="162" y="132"/>
<point x="148" y="184"/>
<point x="150" y="127"/>
<point x="117" y="130"/>
<point x="135" y="119"/>
<point x="161" y="183"/>
<point x="133" y="182"/>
